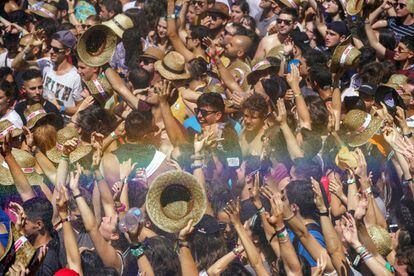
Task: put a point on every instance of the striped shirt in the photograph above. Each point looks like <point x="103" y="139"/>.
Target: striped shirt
<point x="400" y="30"/>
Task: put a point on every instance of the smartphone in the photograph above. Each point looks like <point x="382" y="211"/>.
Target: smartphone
<point x="295" y="62"/>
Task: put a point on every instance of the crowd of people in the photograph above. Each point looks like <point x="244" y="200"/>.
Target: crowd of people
<point x="206" y="137"/>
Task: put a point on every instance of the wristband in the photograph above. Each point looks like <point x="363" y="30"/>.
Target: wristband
<point x="64" y="157"/>
<point x="261" y="210"/>
<point x="67" y="219"/>
<point x="182" y="243"/>
<point x="76" y="196"/>
<point x="119" y="207"/>
<point x="197" y="157"/>
<point x="350" y="181"/>
<point x="137" y="251"/>
<point x="405" y="183"/>
<point x="196" y="166"/>
<point x="326" y="214"/>
<point x="368" y="190"/>
<point x="389" y="267"/>
<point x="283" y="234"/>
<point x="272" y="237"/>
<point x="113" y="135"/>
<point x="171" y="16"/>
<point x="62" y="109"/>
<point x="289" y="218"/>
<point x="99" y="178"/>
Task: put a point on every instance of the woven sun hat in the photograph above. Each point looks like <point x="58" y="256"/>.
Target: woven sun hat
<point x="64" y="135"/>
<point x="36" y="115"/>
<point x="153" y="52"/>
<point x="6" y="126"/>
<point x="291" y="3"/>
<point x="172" y="67"/>
<point x="43" y="9"/>
<point x="396" y="81"/>
<point x="27" y="163"/>
<point x="119" y="24"/>
<point x="97" y="45"/>
<point x="361" y="126"/>
<point x="346" y="159"/>
<point x="215" y="88"/>
<point x="258" y="65"/>
<point x="345" y="55"/>
<point x="277" y="52"/>
<point x="354" y="7"/>
<point x="100" y="89"/>
<point x="240" y="69"/>
<point x="381" y="239"/>
<point x="173" y="199"/>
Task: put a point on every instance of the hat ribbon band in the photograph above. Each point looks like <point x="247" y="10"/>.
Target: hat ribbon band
<point x="4" y="132"/>
<point x="99" y="87"/>
<point x="44" y="11"/>
<point x="345" y="54"/>
<point x="365" y="124"/>
<point x="293" y="4"/>
<point x="25" y="170"/>
<point x="59" y="146"/>
<point x="171" y="69"/>
<point x="263" y="62"/>
<point x="35" y="113"/>
<point x="240" y="71"/>
<point x="19" y="243"/>
<point x="118" y="24"/>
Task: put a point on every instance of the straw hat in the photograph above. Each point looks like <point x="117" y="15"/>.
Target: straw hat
<point x="97" y="45"/>
<point x="396" y="81"/>
<point x="277" y="52"/>
<point x="410" y="6"/>
<point x="215" y="88"/>
<point x="35" y="114"/>
<point x="27" y="163"/>
<point x="6" y="126"/>
<point x="154" y="53"/>
<point x="362" y="127"/>
<point x="119" y="24"/>
<point x="258" y="64"/>
<point x="346" y="159"/>
<point x="291" y="3"/>
<point x="63" y="135"/>
<point x="345" y="55"/>
<point x="172" y="67"/>
<point x="173" y="199"/>
<point x="241" y="70"/>
<point x="22" y="250"/>
<point x="381" y="239"/>
<point x="100" y="89"/>
<point x="42" y="9"/>
<point x="354" y="7"/>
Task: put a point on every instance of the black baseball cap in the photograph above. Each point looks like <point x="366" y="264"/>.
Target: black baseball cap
<point x="368" y="89"/>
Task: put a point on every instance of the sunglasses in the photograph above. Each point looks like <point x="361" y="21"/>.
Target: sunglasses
<point x="285" y="21"/>
<point x="36" y="87"/>
<point x="203" y="112"/>
<point x="399" y="5"/>
<point x="214" y="17"/>
<point x="200" y="3"/>
<point x="57" y="50"/>
<point x="146" y="61"/>
<point x="85" y="26"/>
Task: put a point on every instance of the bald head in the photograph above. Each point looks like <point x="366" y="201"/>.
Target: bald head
<point x="239" y="46"/>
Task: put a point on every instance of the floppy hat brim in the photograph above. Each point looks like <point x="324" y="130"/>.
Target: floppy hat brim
<point x="354" y="7"/>
<point x="168" y="74"/>
<point x="251" y="76"/>
<point x="153" y="200"/>
<point x="355" y="139"/>
<point x="80" y="152"/>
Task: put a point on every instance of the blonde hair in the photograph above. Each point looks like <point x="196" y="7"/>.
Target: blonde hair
<point x="45" y="137"/>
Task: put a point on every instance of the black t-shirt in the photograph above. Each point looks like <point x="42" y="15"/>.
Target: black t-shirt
<point x="51" y="263"/>
<point x="47" y="106"/>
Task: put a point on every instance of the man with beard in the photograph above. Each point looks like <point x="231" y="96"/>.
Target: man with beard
<point x="61" y="81"/>
<point x="238" y="48"/>
<point x="286" y="22"/>
<point x="33" y="89"/>
<point x="216" y="18"/>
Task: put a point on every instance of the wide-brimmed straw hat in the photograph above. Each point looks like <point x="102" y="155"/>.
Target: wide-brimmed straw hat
<point x="291" y="3"/>
<point x="215" y="88"/>
<point x="64" y="135"/>
<point x="241" y="70"/>
<point x="173" y="199"/>
<point x="35" y="115"/>
<point x="346" y="159"/>
<point x="381" y="239"/>
<point x="6" y="126"/>
<point x="361" y="126"/>
<point x="258" y="65"/>
<point x="27" y="163"/>
<point x="154" y="53"/>
<point x="43" y="9"/>
<point x="396" y="81"/>
<point x="172" y="67"/>
<point x="354" y="7"/>
<point x="277" y="52"/>
<point x="97" y="45"/>
<point x="119" y="24"/>
<point x="100" y="89"/>
<point x="345" y="56"/>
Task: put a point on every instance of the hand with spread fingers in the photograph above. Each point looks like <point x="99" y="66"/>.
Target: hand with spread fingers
<point x="232" y="209"/>
<point x="318" y="199"/>
<point x="362" y="205"/>
<point x="6" y="146"/>
<point x="254" y="191"/>
<point x="186" y="231"/>
<point x="17" y="210"/>
<point x="69" y="146"/>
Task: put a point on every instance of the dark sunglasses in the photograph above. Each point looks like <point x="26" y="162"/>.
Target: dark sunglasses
<point x="203" y="112"/>
<point x="200" y="3"/>
<point x="399" y="5"/>
<point x="36" y="87"/>
<point x="85" y="26"/>
<point x="287" y="22"/>
<point x="214" y="16"/>
<point x="57" y="50"/>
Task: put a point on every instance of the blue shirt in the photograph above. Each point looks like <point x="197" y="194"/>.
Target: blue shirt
<point x="4" y="219"/>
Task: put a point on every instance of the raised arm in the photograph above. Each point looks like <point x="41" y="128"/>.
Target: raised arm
<point x="69" y="239"/>
<point x="188" y="265"/>
<point x="233" y="209"/>
<point x="119" y="86"/>
<point x="373" y="40"/>
<point x="20" y="181"/>
<point x="172" y="33"/>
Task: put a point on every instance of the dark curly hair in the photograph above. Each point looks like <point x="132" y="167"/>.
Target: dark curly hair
<point x="300" y="192"/>
<point x="95" y="118"/>
<point x="256" y="103"/>
<point x="160" y="253"/>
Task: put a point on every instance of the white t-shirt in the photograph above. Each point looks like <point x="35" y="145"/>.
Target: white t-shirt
<point x="66" y="89"/>
<point x="4" y="60"/>
<point x="14" y="118"/>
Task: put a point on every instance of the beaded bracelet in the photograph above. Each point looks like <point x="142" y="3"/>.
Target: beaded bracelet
<point x="64" y="157"/>
<point x="282" y="235"/>
<point x="366" y="257"/>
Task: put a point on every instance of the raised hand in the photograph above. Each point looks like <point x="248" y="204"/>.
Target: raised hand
<point x="276" y="203"/>
<point x="209" y="43"/>
<point x="17" y="210"/>
<point x="29" y="137"/>
<point x="208" y="141"/>
<point x="361" y="169"/>
<point x="321" y="264"/>
<point x="362" y="205"/>
<point x="18" y="269"/>
<point x="164" y="92"/>
<point x="293" y="78"/>
<point x="349" y="230"/>
<point x="187" y="230"/>
<point x="320" y="204"/>
<point x="400" y="116"/>
<point x="254" y="191"/>
<point x="74" y="180"/>
<point x="390" y="135"/>
<point x="6" y="146"/>
<point x="336" y="188"/>
<point x="232" y="209"/>
<point x="117" y="190"/>
<point x="281" y="110"/>
<point x="62" y="200"/>
<point x="96" y="141"/>
<point x="69" y="146"/>
<point x="87" y="102"/>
